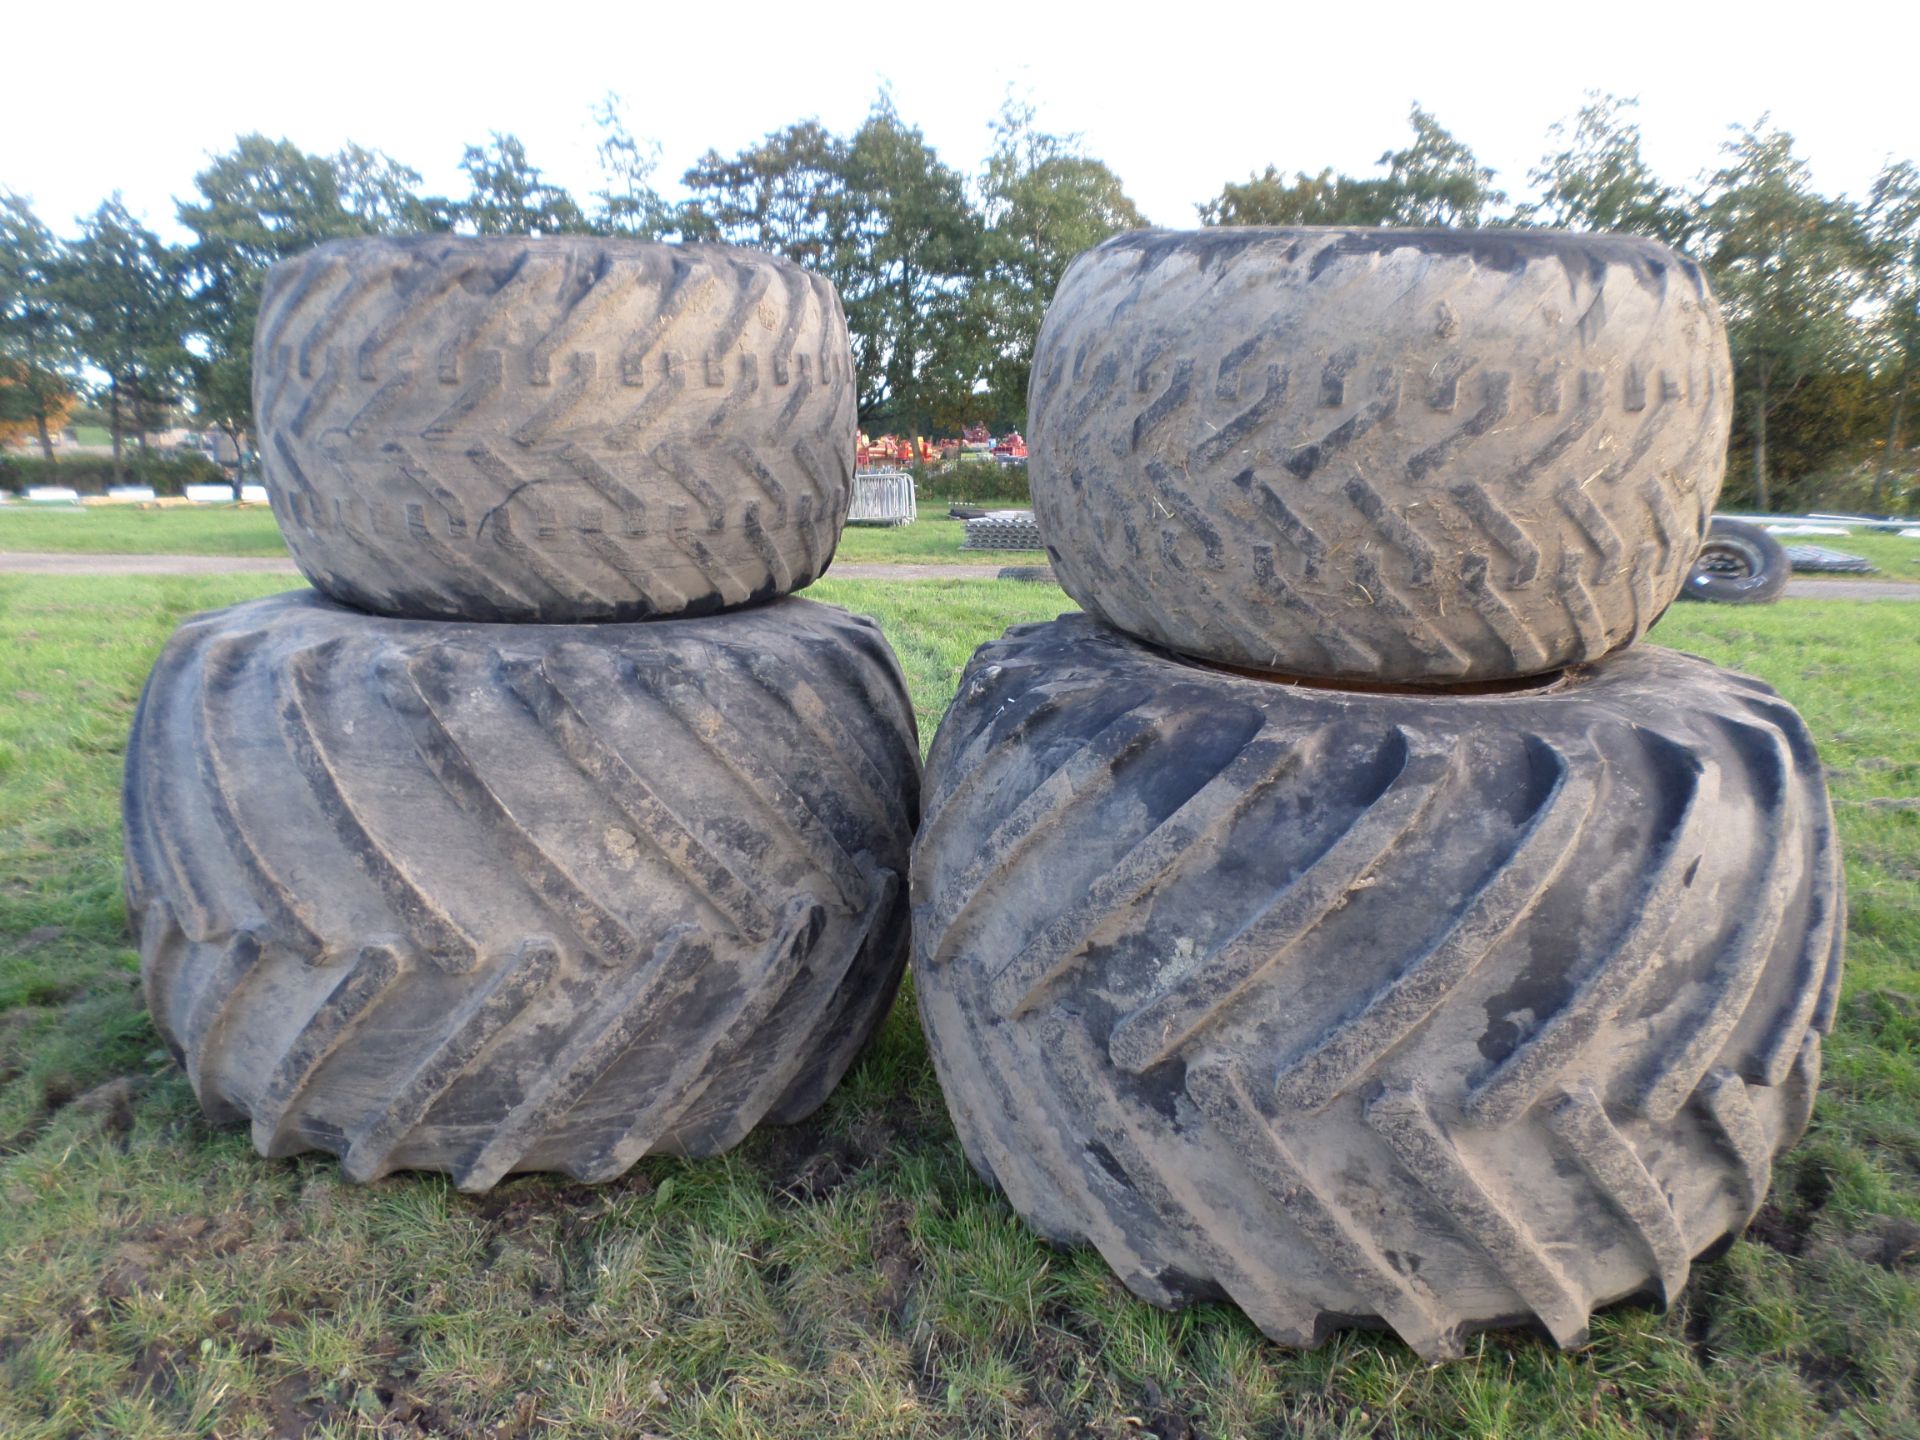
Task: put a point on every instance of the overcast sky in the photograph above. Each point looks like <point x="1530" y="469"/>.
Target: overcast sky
<point x="1176" y="98"/>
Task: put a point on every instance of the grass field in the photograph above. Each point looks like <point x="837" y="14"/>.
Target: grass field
<point x="930" y="540"/>
<point x="848" y="1276"/>
<point x="933" y="540"/>
<point x="133" y="530"/>
<point x="249" y="530"/>
<point x="1898" y="559"/>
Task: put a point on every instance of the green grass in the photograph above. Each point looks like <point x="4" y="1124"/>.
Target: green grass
<point x="133" y="530"/>
<point x="1898" y="559"/>
<point x="249" y="530"/>
<point x="932" y="540"/>
<point x="848" y="1276"/>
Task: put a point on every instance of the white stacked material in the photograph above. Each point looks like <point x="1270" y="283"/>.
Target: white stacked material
<point x="210" y="494"/>
<point x="1886" y="525"/>
<point x="131" y="493"/>
<point x="883" y="497"/>
<point x="1807" y="530"/>
<point x="52" y="495"/>
<point x="1818" y="559"/>
<point x="1003" y="530"/>
<point x="254" y="494"/>
<point x="1883" y="523"/>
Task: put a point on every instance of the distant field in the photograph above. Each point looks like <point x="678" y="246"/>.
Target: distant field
<point x="1898" y="559"/>
<point x="933" y="540"/>
<point x="131" y="530"/>
<point x="928" y="541"/>
<point x="249" y="530"/>
<point x="848" y="1276"/>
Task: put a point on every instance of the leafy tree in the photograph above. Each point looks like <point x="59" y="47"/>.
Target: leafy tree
<point x="629" y="205"/>
<point x="888" y="223"/>
<point x="267" y="199"/>
<point x="1435" y="180"/>
<point x="907" y="244"/>
<point x="383" y="196"/>
<point x="507" y="196"/>
<point x="35" y="347"/>
<point x="1044" y="203"/>
<point x="1323" y="199"/>
<point x="123" y="292"/>
<point x="785" y="195"/>
<point x="31" y="409"/>
<point x="1814" y="432"/>
<point x="1787" y="264"/>
<point x="1893" y="223"/>
<point x="257" y="204"/>
<point x="1598" y="180"/>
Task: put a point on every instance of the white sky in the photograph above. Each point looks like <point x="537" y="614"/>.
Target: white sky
<point x="1177" y="99"/>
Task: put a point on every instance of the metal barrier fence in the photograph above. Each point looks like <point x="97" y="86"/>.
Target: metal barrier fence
<point x="883" y="497"/>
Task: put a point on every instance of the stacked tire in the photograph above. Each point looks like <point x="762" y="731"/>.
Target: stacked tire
<point x="1432" y="956"/>
<point x="552" y="831"/>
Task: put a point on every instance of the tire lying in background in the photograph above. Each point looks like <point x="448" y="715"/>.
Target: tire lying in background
<point x="1436" y="1012"/>
<point x="1739" y="564"/>
<point x="553" y="429"/>
<point x="485" y="899"/>
<point x="1414" y="456"/>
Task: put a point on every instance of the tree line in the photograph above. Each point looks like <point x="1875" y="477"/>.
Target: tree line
<point x="945" y="275"/>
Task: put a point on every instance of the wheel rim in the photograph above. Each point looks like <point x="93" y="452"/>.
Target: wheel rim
<point x="1729" y="560"/>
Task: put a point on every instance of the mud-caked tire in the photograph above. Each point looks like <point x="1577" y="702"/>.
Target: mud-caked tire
<point x="553" y="429"/>
<point x="1431" y="1012"/>
<point x="1415" y="456"/>
<point x="493" y="898"/>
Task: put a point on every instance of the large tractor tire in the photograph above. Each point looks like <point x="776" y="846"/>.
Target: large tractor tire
<point x="1432" y="1012"/>
<point x="1412" y="456"/>
<point x="553" y="429"/>
<point x="489" y="898"/>
<point x="1739" y="564"/>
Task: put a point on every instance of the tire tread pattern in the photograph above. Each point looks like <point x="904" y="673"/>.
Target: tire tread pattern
<point x="554" y="430"/>
<point x="415" y="908"/>
<point x="1508" y="475"/>
<point x="1437" y="1012"/>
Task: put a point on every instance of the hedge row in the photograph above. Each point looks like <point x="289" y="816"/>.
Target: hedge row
<point x="972" y="482"/>
<point x="94" y="475"/>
